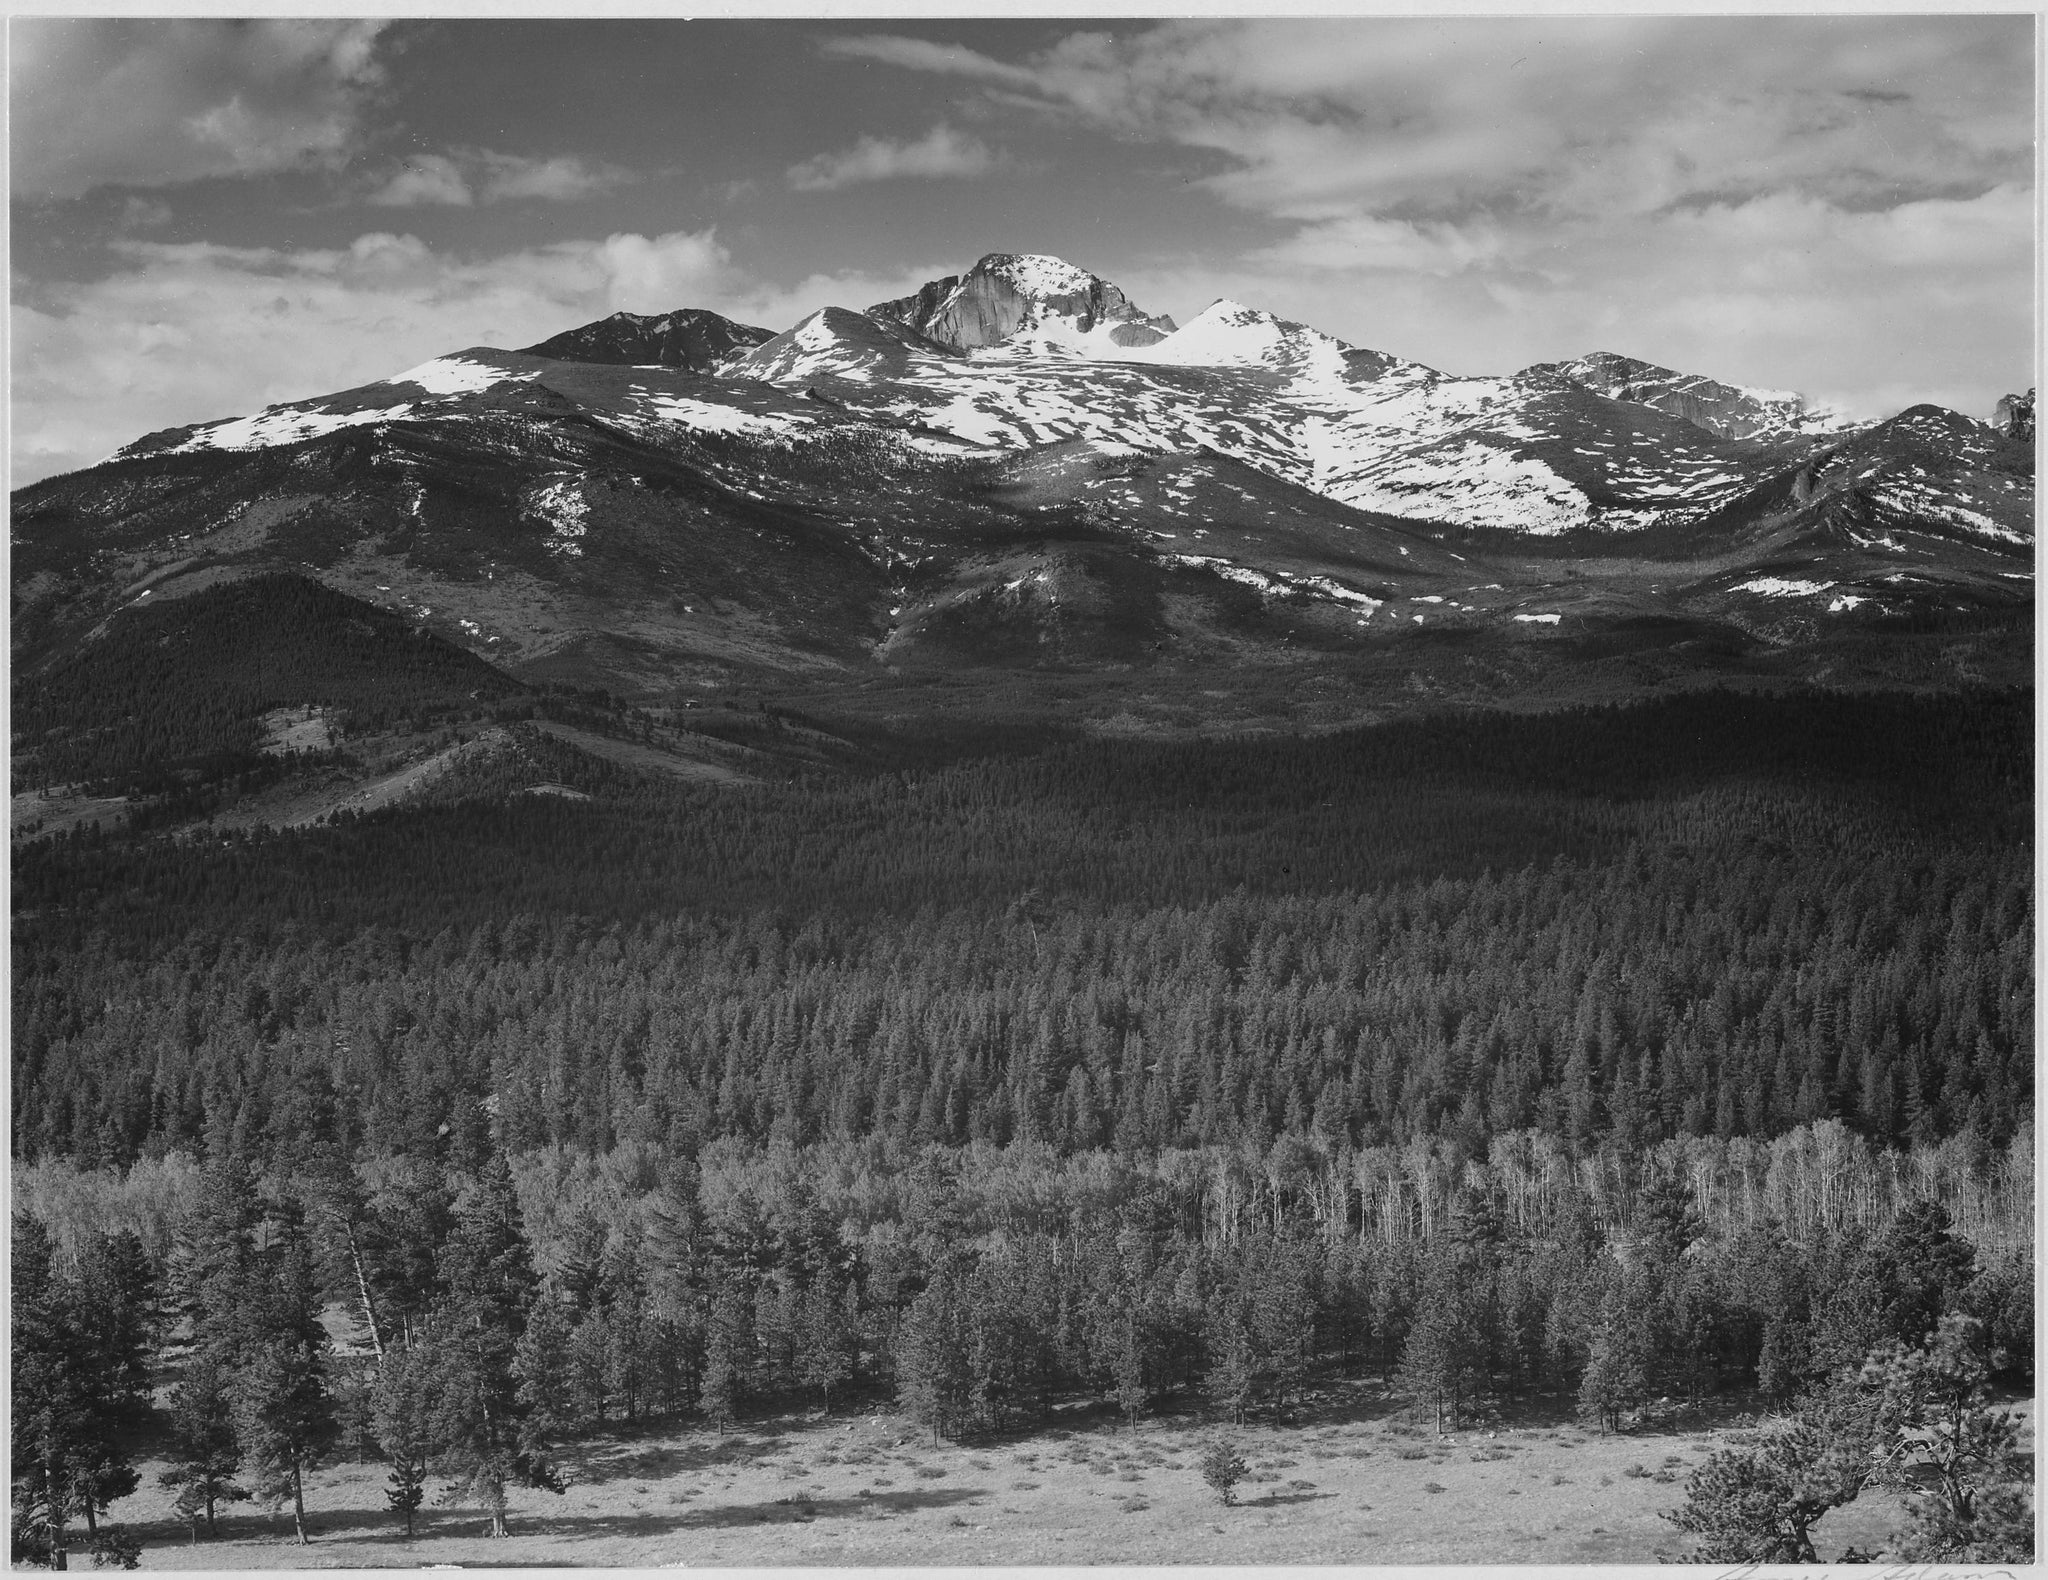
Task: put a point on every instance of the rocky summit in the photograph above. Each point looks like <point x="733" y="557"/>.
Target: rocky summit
<point x="1012" y="296"/>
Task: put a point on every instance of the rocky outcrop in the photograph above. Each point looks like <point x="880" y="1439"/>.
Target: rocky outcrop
<point x="1726" y="410"/>
<point x="2015" y="417"/>
<point x="691" y="339"/>
<point x="1006" y="294"/>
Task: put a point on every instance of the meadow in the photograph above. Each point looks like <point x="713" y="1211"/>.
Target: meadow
<point x="1351" y="1479"/>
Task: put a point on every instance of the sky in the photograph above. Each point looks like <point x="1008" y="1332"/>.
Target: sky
<point x="210" y="216"/>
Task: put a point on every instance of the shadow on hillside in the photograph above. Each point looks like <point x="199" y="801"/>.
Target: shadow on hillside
<point x="372" y="1524"/>
<point x="602" y="1460"/>
<point x="791" y="1511"/>
<point x="1273" y="1498"/>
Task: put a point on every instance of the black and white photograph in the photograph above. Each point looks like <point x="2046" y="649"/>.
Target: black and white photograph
<point x="860" y="791"/>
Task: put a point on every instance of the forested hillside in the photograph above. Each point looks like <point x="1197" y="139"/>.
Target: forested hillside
<point x="182" y="685"/>
<point x="1713" y="916"/>
<point x="1601" y="1057"/>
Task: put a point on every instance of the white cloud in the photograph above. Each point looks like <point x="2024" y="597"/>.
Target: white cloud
<point x="158" y="102"/>
<point x="473" y="176"/>
<point x="507" y="177"/>
<point x="1359" y="241"/>
<point x="188" y="332"/>
<point x="425" y="179"/>
<point x="918" y="54"/>
<point x="1586" y="115"/>
<point x="940" y="152"/>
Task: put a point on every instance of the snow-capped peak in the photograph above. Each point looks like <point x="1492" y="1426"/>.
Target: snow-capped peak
<point x="1037" y="274"/>
<point x="1039" y="302"/>
<point x="1230" y="334"/>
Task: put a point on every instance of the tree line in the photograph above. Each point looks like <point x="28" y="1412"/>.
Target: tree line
<point x="479" y="1353"/>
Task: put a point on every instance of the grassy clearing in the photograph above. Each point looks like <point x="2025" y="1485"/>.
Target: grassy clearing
<point x="871" y="1489"/>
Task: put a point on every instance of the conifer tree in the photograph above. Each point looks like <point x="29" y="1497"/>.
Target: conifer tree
<point x="825" y="1334"/>
<point x="1954" y="1454"/>
<point x="79" y="1380"/>
<point x="548" y="1392"/>
<point x="1232" y="1378"/>
<point x="206" y="1452"/>
<point x="50" y="1412"/>
<point x="1441" y="1363"/>
<point x="402" y="1420"/>
<point x="934" y="1362"/>
<point x="476" y="1421"/>
<point x="284" y="1410"/>
<point x="725" y="1345"/>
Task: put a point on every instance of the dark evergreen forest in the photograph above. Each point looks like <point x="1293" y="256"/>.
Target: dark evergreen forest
<point x="1714" y="916"/>
<point x="1614" y="1054"/>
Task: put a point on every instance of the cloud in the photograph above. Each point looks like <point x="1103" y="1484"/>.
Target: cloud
<point x="100" y="101"/>
<point x="1359" y="241"/>
<point x="140" y="213"/>
<point x="508" y="177"/>
<point x="474" y="176"/>
<point x="917" y="54"/>
<point x="1582" y="115"/>
<point x="426" y="179"/>
<point x="940" y="152"/>
<point x="188" y="332"/>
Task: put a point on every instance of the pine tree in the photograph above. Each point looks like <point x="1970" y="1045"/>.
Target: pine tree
<point x="206" y="1453"/>
<point x="1441" y="1364"/>
<point x="1955" y="1456"/>
<point x="934" y="1356"/>
<point x="1617" y="1375"/>
<point x="826" y="1335"/>
<point x="1232" y="1378"/>
<point x="284" y="1411"/>
<point x="726" y="1338"/>
<point x="49" y="1406"/>
<point x="540" y="1361"/>
<point x="78" y="1374"/>
<point x="402" y="1420"/>
<point x="1759" y="1503"/>
<point x="476" y="1421"/>
<point x="1223" y="1467"/>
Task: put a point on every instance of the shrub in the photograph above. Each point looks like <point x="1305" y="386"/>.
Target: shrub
<point x="1223" y="1467"/>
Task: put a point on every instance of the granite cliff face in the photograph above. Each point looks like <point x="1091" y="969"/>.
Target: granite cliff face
<point x="2015" y="417"/>
<point x="1008" y="295"/>
<point x="691" y="339"/>
<point x="1725" y="410"/>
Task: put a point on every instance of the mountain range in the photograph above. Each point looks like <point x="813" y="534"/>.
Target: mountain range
<point x="1018" y="472"/>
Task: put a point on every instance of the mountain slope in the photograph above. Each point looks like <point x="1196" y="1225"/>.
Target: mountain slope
<point x="691" y="339"/>
<point x="1726" y="410"/>
<point x="985" y="474"/>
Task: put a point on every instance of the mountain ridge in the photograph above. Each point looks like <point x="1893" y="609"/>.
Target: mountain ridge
<point x="651" y="502"/>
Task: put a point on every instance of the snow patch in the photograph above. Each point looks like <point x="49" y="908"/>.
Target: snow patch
<point x="1781" y="587"/>
<point x="562" y="509"/>
<point x="459" y="376"/>
<point x="282" y="425"/>
<point x="708" y="417"/>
